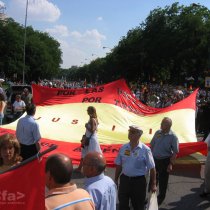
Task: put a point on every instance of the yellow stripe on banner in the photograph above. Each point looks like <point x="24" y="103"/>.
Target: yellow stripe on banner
<point x="66" y="122"/>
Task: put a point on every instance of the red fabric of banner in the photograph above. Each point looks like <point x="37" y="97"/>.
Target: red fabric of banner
<point x="117" y="93"/>
<point x="73" y="150"/>
<point x="23" y="187"/>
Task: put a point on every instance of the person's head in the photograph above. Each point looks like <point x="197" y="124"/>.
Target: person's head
<point x="91" y="110"/>
<point x="134" y="133"/>
<point x="2" y="97"/>
<point x="58" y="170"/>
<point x="26" y="91"/>
<point x="18" y="97"/>
<point x="94" y="164"/>
<point x="31" y="109"/>
<point x="166" y="124"/>
<point x="9" y="149"/>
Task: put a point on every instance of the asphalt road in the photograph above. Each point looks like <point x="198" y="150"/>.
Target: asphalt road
<point x="185" y="185"/>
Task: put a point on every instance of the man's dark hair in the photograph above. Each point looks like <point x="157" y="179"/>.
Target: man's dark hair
<point x="30" y="109"/>
<point x="60" y="168"/>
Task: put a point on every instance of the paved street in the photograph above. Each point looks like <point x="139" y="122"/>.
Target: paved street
<point x="185" y="184"/>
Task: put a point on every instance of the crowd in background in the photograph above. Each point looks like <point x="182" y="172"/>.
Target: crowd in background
<point x="153" y="94"/>
<point x="128" y="178"/>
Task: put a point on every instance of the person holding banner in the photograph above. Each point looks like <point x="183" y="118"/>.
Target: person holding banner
<point x="206" y="190"/>
<point x="90" y="135"/>
<point x="62" y="194"/>
<point x="9" y="152"/>
<point x="164" y="146"/>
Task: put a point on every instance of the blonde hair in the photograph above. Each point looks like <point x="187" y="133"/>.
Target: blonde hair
<point x="12" y="140"/>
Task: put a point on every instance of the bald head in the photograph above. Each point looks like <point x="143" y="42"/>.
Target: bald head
<point x="60" y="168"/>
<point x="96" y="160"/>
<point x="166" y="124"/>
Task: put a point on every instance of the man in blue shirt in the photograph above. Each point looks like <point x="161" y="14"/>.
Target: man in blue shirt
<point x="133" y="162"/>
<point x="164" y="146"/>
<point x="28" y="133"/>
<point x="101" y="188"/>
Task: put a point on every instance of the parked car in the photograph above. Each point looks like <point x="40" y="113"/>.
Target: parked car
<point x="11" y="93"/>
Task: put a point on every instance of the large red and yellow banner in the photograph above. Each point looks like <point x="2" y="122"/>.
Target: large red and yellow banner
<point x="62" y="114"/>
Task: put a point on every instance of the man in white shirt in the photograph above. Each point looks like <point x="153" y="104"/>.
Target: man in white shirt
<point x="18" y="106"/>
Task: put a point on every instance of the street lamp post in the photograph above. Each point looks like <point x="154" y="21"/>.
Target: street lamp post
<point x="24" y="43"/>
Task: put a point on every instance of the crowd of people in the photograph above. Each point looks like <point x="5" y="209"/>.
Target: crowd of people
<point x="134" y="162"/>
<point x="150" y="93"/>
<point x="156" y="95"/>
<point x="153" y="94"/>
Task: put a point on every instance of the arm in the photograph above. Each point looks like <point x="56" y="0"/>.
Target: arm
<point x="173" y="158"/>
<point x="175" y="149"/>
<point x="92" y="125"/>
<point x="153" y="141"/>
<point x="172" y="161"/>
<point x="153" y="186"/>
<point x="118" y="171"/>
<point x="36" y="136"/>
<point x="38" y="147"/>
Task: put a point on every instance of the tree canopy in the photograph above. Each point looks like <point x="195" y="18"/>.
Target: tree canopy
<point x="42" y="52"/>
<point x="170" y="45"/>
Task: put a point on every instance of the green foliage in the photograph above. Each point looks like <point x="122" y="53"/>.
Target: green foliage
<point x="43" y="54"/>
<point x="170" y="45"/>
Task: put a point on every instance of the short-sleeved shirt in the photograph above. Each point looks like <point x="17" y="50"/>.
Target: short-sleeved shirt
<point x="103" y="191"/>
<point x="27" y="98"/>
<point x="27" y="130"/>
<point x="19" y="104"/>
<point x="69" y="198"/>
<point x="164" y="145"/>
<point x="135" y="162"/>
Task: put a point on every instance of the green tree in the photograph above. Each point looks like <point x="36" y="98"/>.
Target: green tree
<point x="171" y="44"/>
<point x="43" y="53"/>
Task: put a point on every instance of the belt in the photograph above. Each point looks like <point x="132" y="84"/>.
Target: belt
<point x="133" y="177"/>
